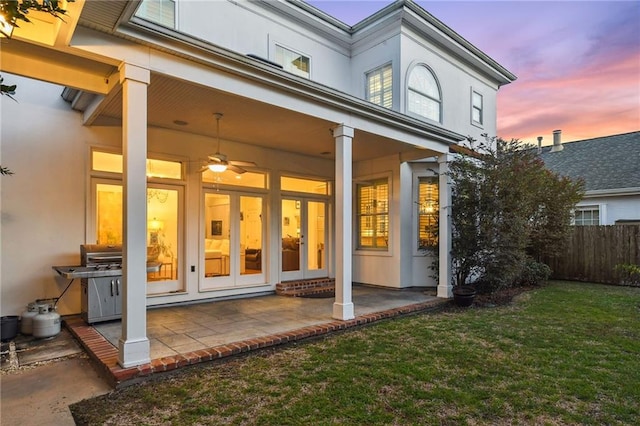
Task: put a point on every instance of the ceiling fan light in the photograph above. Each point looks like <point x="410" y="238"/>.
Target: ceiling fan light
<point x="217" y="168"/>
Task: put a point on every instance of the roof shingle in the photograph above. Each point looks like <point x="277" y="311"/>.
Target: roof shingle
<point x="609" y="162"/>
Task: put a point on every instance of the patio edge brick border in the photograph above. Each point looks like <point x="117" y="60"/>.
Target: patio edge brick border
<point x="106" y="355"/>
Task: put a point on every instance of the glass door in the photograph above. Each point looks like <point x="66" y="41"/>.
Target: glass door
<point x="233" y="240"/>
<point x="163" y="238"/>
<point x="304" y="238"/>
<point x="164" y="232"/>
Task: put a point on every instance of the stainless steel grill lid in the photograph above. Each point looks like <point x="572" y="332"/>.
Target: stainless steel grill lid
<point x="99" y="260"/>
<point x="97" y="254"/>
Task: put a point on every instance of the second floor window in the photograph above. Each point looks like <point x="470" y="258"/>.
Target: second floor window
<point x="162" y="12"/>
<point x="476" y="108"/>
<point x="423" y="94"/>
<point x="380" y="85"/>
<point x="293" y="62"/>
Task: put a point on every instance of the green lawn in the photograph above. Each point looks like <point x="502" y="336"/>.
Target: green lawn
<point x="566" y="353"/>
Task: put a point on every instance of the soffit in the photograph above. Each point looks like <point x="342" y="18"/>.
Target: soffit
<point x="245" y="121"/>
<point x="103" y="15"/>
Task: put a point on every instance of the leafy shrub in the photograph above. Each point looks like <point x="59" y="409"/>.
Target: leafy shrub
<point x="507" y="212"/>
<point x="534" y="273"/>
<point x="628" y="274"/>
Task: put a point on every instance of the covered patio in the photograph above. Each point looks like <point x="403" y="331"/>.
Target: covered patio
<point x="190" y="334"/>
<point x="159" y="101"/>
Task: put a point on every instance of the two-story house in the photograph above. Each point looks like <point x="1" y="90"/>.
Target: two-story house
<point x="238" y="144"/>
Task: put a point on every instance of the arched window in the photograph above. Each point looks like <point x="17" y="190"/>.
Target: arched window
<point x="424" y="98"/>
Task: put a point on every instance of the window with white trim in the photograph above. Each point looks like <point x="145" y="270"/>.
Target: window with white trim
<point x="293" y="62"/>
<point x="372" y="214"/>
<point x="423" y="94"/>
<point x="428" y="209"/>
<point x="165" y="212"/>
<point x="587" y="215"/>
<point x="477" y="108"/>
<point x="380" y="86"/>
<point x="161" y="12"/>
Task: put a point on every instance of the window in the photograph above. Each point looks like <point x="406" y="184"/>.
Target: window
<point x="165" y="198"/>
<point x="428" y="209"/>
<point x="104" y="161"/>
<point x="293" y="62"/>
<point x="161" y="12"/>
<point x="229" y="177"/>
<point x="477" y="114"/>
<point x="587" y="215"/>
<point x="163" y="228"/>
<point x="380" y="85"/>
<point x="310" y="186"/>
<point x="423" y="95"/>
<point x="373" y="214"/>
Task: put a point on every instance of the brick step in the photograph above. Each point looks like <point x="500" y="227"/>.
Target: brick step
<point x="305" y="287"/>
<point x="307" y="291"/>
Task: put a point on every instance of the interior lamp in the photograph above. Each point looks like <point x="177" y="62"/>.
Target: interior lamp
<point x="155" y="224"/>
<point x="217" y="168"/>
<point x="6" y="28"/>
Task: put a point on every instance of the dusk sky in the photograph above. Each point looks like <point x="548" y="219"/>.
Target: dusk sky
<point x="577" y="62"/>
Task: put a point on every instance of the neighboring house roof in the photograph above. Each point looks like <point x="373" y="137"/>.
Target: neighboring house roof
<point x="605" y="163"/>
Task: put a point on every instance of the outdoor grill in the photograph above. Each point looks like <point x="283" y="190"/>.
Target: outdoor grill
<point x="96" y="260"/>
<point x="100" y="271"/>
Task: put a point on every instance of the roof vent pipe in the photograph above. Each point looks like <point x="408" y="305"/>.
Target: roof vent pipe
<point x="539" y="144"/>
<point x="557" y="141"/>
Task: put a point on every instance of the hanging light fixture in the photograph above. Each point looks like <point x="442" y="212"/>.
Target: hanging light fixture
<point x="218" y="168"/>
<point x="221" y="166"/>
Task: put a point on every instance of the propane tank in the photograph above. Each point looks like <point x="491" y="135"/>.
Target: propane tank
<point x="47" y="322"/>
<point x="26" y="321"/>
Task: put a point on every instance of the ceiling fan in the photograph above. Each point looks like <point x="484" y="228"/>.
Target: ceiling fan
<point x="218" y="162"/>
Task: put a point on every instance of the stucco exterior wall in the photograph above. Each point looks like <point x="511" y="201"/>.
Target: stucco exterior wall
<point x="43" y="203"/>
<point x="252" y="28"/>
<point x="381" y="267"/>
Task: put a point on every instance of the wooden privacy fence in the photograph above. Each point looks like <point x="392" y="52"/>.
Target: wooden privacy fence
<point x="594" y="251"/>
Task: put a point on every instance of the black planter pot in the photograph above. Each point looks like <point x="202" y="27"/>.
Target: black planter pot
<point x="9" y="327"/>
<point x="463" y="295"/>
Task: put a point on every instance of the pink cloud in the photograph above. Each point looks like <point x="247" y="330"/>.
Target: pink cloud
<point x="596" y="100"/>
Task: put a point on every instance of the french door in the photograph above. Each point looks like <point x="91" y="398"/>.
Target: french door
<point x="164" y="228"/>
<point x="232" y="240"/>
<point x="304" y="238"/>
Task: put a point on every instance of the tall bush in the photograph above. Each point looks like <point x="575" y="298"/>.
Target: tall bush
<point x="507" y="210"/>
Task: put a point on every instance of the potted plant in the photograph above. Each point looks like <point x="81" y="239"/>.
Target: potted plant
<point x="463" y="295"/>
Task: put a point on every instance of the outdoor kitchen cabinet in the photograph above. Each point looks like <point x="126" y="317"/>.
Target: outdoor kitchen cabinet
<point x="101" y="299"/>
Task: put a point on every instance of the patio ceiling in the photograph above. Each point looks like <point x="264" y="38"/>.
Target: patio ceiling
<point x="173" y="102"/>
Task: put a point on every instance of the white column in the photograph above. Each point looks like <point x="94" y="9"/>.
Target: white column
<point x="134" y="348"/>
<point x="343" y="305"/>
<point x="444" y="231"/>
